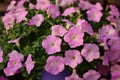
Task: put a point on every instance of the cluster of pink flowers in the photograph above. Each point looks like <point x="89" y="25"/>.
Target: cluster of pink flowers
<point x="15" y="63"/>
<point x="73" y="57"/>
<point x="73" y="34"/>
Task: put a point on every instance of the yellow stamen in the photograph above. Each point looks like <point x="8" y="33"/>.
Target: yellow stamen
<point x="14" y="62"/>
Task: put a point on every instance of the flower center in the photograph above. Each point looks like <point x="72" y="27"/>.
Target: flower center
<point x="53" y="63"/>
<point x="52" y="44"/>
<point x="89" y="51"/>
<point x="52" y="11"/>
<point x="37" y="19"/>
<point x="73" y="57"/>
<point x="14" y="62"/>
<point x="107" y="32"/>
<point x="74" y="37"/>
<point x="93" y="15"/>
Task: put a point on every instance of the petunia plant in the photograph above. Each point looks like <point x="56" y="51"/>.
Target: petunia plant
<point x="57" y="35"/>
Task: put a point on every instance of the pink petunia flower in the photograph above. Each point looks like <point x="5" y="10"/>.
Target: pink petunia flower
<point x="54" y="65"/>
<point x="53" y="11"/>
<point x="114" y="43"/>
<point x="74" y="37"/>
<point x="111" y="56"/>
<point x="114" y="11"/>
<point x="20" y="14"/>
<point x="90" y="52"/>
<point x="58" y="30"/>
<point x="84" y="26"/>
<point x="91" y="75"/>
<point x="72" y="58"/>
<point x="14" y="64"/>
<point x="8" y="21"/>
<point x="85" y="5"/>
<point x="12" y="67"/>
<point x="94" y="15"/>
<point x="115" y="72"/>
<point x="73" y="77"/>
<point x="69" y="11"/>
<point x="42" y="4"/>
<point x="106" y="31"/>
<point x="18" y="10"/>
<point x="1" y="55"/>
<point x="52" y="44"/>
<point x="37" y="20"/>
<point x="29" y="64"/>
